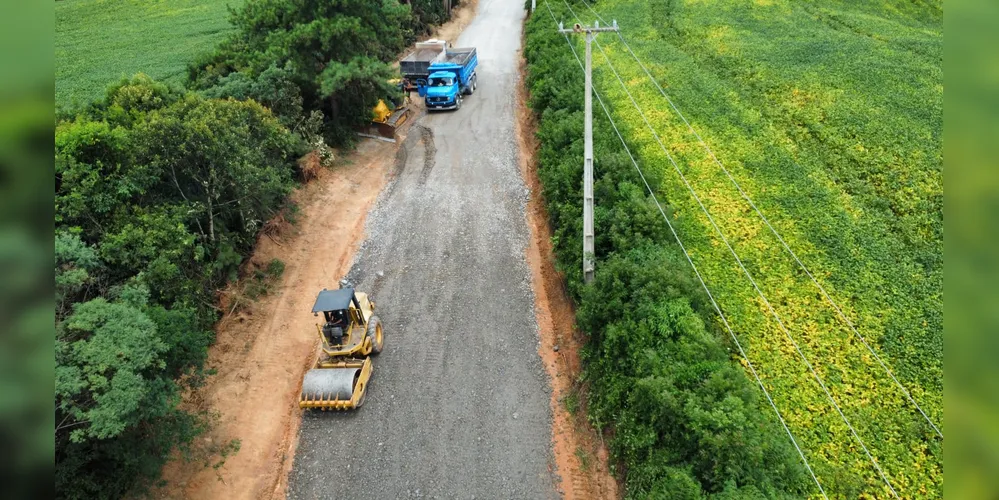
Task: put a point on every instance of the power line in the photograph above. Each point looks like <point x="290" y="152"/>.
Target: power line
<point x="773" y="312"/>
<point x="746" y="197"/>
<point x="700" y="278"/>
<point x="780" y="322"/>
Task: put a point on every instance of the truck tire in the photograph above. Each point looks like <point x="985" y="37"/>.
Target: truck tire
<point x="457" y="104"/>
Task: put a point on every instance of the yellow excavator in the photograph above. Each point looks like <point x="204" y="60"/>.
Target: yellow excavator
<point x="349" y="336"/>
<point x="385" y="120"/>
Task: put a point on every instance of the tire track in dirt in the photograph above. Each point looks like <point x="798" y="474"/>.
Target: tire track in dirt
<point x="429" y="151"/>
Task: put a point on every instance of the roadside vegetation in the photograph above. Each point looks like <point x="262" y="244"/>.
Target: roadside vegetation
<point x="686" y="419"/>
<point x="829" y="115"/>
<point x="162" y="188"/>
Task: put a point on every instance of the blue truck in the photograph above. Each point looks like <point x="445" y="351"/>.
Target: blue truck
<point x="450" y="77"/>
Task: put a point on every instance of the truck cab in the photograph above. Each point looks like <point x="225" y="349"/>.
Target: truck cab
<point x="450" y="79"/>
<point x="442" y="91"/>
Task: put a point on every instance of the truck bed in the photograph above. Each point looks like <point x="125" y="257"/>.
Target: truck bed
<point x="459" y="56"/>
<point x="416" y="63"/>
<point x="422" y="55"/>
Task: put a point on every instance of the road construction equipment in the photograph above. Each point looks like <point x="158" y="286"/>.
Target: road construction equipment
<point x="450" y="79"/>
<point x="414" y="68"/>
<point x="349" y="334"/>
<point x="385" y="121"/>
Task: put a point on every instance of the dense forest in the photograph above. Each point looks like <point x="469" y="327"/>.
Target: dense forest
<point x="161" y="191"/>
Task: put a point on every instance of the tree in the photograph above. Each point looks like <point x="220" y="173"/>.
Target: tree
<point x="74" y="263"/>
<point x="165" y="184"/>
<point x="108" y="357"/>
<point x="274" y="88"/>
<point x="230" y="187"/>
<point x="335" y="52"/>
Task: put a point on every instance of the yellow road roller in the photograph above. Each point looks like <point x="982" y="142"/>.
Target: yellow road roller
<point x="349" y="335"/>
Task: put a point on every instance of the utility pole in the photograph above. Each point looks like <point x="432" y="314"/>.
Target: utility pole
<point x="591" y="33"/>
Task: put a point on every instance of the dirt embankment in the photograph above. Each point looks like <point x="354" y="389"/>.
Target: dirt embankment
<point x="262" y="351"/>
<point x="580" y="453"/>
<point x="460" y="17"/>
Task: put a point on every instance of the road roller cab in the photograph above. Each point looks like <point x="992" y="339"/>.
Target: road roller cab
<point x="350" y="332"/>
<point x="349" y="326"/>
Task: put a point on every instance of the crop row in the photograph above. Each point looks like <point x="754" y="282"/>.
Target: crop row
<point x="859" y="200"/>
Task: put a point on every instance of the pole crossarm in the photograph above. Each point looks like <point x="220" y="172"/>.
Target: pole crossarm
<point x="596" y="28"/>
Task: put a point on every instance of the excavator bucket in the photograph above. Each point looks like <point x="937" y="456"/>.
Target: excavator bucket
<point x="336" y="385"/>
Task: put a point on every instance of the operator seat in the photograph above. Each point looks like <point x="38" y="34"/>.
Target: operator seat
<point x="333" y="333"/>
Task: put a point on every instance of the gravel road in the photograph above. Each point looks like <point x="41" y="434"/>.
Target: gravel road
<point x="459" y="403"/>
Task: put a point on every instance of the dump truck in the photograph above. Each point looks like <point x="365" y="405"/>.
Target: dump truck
<point x="415" y="67"/>
<point x="450" y="78"/>
<point x="349" y="336"/>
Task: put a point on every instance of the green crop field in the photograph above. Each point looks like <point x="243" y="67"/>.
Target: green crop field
<point x="829" y="116"/>
<point x="99" y="41"/>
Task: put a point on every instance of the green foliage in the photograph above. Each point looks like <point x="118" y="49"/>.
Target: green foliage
<point x="571" y="402"/>
<point x="829" y="115"/>
<point x="336" y="53"/>
<point x="428" y="13"/>
<point x="118" y="181"/>
<point x="158" y="194"/>
<point x="273" y="88"/>
<point x="74" y="263"/>
<point x="263" y="280"/>
<point x="116" y="395"/>
<point x="98" y="41"/>
<point x="670" y="386"/>
<point x="687" y="422"/>
<point x="584" y="459"/>
<point x="106" y="352"/>
<point x="160" y="191"/>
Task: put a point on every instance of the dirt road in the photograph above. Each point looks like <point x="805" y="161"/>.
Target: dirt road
<point x="459" y="405"/>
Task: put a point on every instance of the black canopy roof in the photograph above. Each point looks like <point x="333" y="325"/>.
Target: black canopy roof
<point x="333" y="300"/>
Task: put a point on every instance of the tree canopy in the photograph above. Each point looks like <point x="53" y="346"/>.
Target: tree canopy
<point x="158" y="194"/>
<point x="336" y="54"/>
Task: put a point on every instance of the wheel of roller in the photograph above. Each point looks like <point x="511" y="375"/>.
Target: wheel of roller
<point x="376" y="335"/>
<point x="360" y="401"/>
